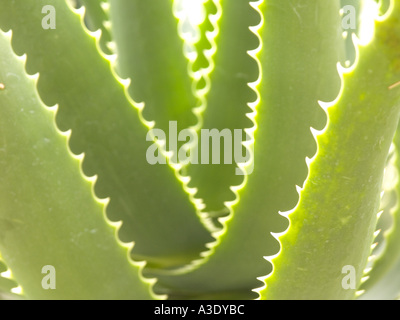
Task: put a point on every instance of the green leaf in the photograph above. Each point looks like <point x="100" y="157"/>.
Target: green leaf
<point x="39" y="179"/>
<point x="332" y="226"/>
<point x="96" y="17"/>
<point x="389" y="257"/>
<point x="387" y="288"/>
<point x="229" y="94"/>
<point x="7" y="283"/>
<point x="150" y="53"/>
<point x="282" y="139"/>
<point x="201" y="50"/>
<point x="107" y="127"/>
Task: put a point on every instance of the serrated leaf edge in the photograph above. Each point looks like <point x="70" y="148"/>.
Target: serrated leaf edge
<point x="342" y="71"/>
<point x="151" y="124"/>
<point x="116" y="226"/>
<point x="389" y="237"/>
<point x="17" y="289"/>
<point x="245" y="168"/>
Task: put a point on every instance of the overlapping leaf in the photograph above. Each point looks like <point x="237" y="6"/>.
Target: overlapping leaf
<point x="150" y="53"/>
<point x="39" y="179"/>
<point x="107" y="128"/>
<point x="332" y="227"/>
<point x="382" y="280"/>
<point x="282" y="139"/>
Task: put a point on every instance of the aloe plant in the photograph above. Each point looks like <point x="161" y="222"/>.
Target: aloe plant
<point x="109" y="188"/>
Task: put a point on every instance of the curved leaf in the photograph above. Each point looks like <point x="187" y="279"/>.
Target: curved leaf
<point x="229" y="95"/>
<point x="96" y="17"/>
<point x="150" y="53"/>
<point x="332" y="227"/>
<point x="49" y="207"/>
<point x="205" y="47"/>
<point x="282" y="139"/>
<point x="107" y="127"/>
<point x="390" y="255"/>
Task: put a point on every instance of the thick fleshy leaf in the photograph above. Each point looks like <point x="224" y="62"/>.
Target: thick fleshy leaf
<point x="332" y="227"/>
<point x="107" y="127"/>
<point x="384" y="268"/>
<point x="150" y="53"/>
<point x="205" y="47"/>
<point x="48" y="208"/>
<point x="282" y="139"/>
<point x="96" y="18"/>
<point x="229" y="95"/>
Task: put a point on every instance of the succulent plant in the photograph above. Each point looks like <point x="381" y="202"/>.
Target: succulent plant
<point x="241" y="150"/>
